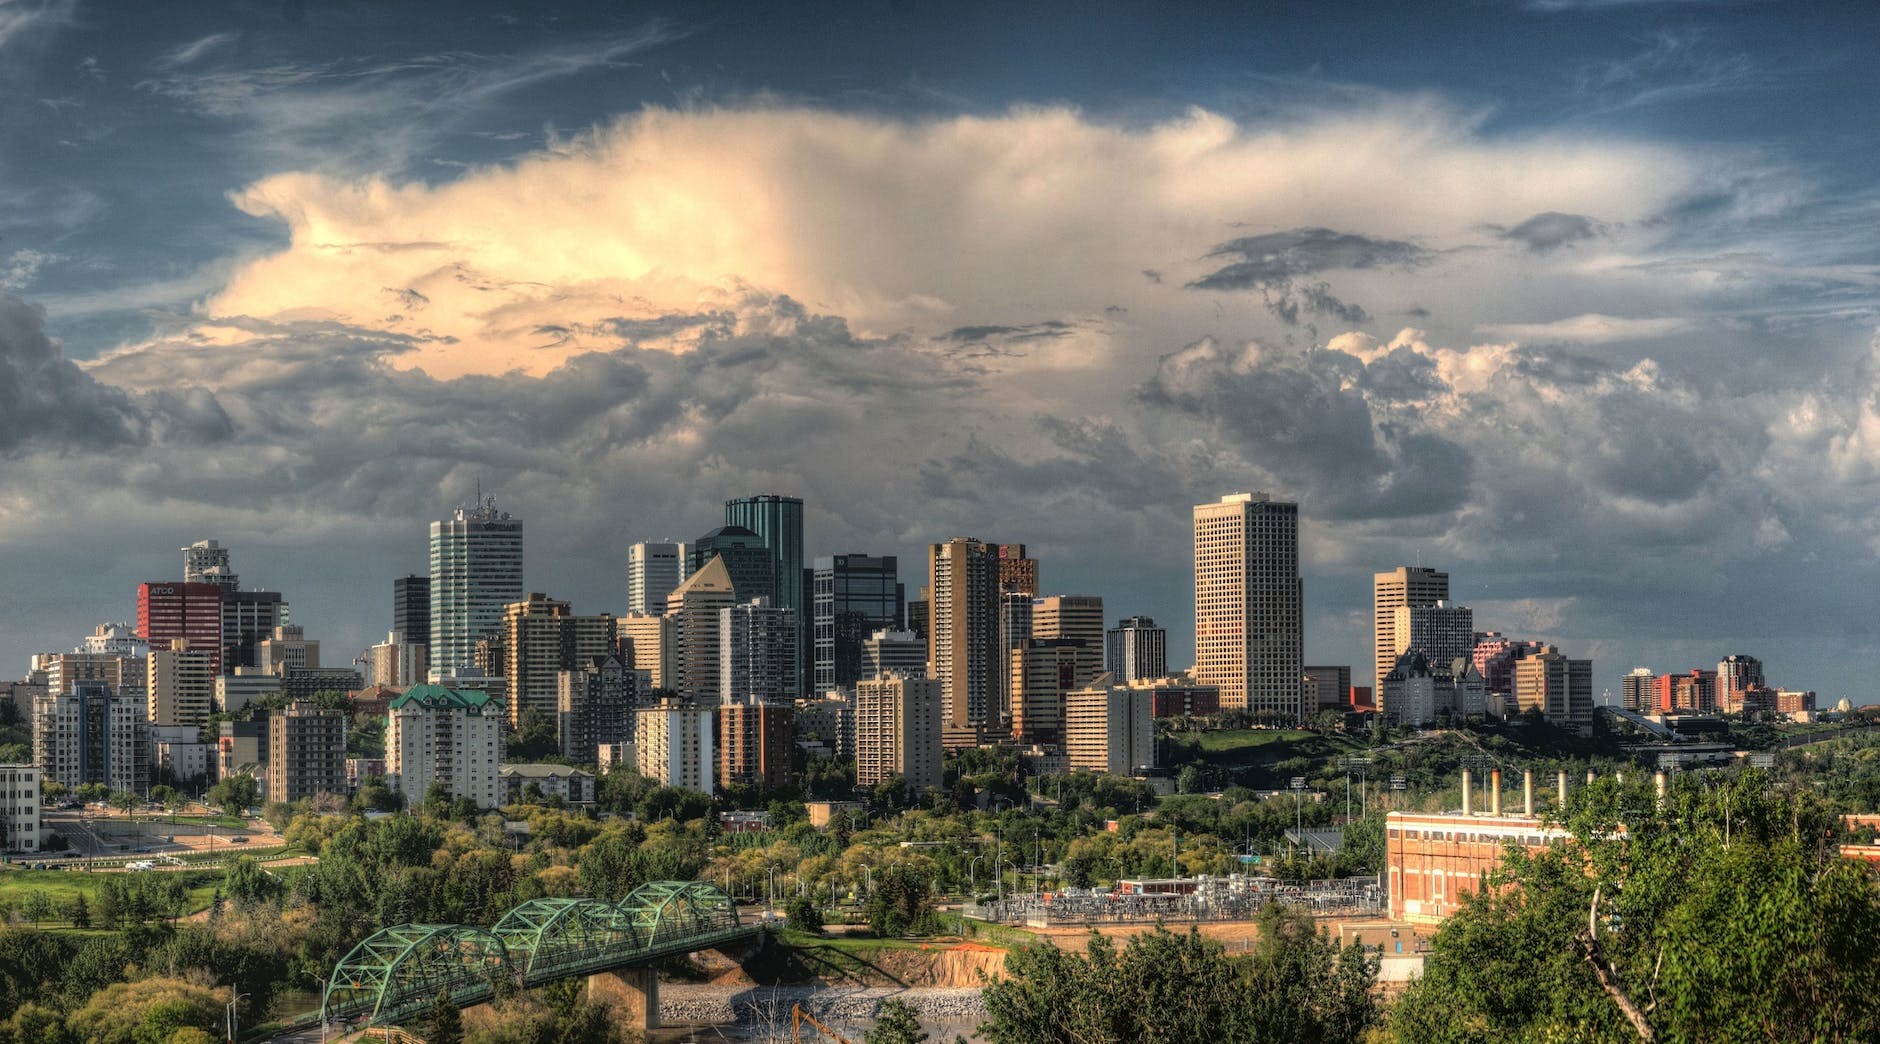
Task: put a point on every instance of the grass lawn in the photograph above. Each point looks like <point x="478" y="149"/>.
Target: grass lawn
<point x="1242" y="739"/>
<point x="62" y="885"/>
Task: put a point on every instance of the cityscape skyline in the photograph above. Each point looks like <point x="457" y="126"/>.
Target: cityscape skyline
<point x="1571" y="300"/>
<point x="1608" y="685"/>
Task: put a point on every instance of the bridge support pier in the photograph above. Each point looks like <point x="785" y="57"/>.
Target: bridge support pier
<point x="635" y="991"/>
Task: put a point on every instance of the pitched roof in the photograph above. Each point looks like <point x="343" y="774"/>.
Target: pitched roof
<point x="713" y="577"/>
<point x="441" y="696"/>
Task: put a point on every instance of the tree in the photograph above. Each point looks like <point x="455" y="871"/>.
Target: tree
<point x="38" y="907"/>
<point x="895" y="1025"/>
<point x="1165" y="988"/>
<point x="443" y="1023"/>
<point x="803" y="916"/>
<point x="145" y="1011"/>
<point x="235" y="794"/>
<point x="79" y="912"/>
<point x="167" y="796"/>
<point x="1646" y="912"/>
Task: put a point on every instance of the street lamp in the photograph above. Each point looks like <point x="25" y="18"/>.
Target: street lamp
<point x="229" y="1022"/>
<point x="972" y="874"/>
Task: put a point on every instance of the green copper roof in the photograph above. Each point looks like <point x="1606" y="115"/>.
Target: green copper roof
<point x="440" y="696"/>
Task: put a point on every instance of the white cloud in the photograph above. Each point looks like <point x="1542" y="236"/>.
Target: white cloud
<point x="1591" y="328"/>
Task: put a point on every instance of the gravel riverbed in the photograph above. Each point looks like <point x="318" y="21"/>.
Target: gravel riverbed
<point x="759" y="1005"/>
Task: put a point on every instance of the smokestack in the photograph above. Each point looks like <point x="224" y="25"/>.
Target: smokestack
<point x="1563" y="789"/>
<point x="1659" y="780"/>
<point x="1465" y="791"/>
<point x="1494" y="792"/>
<point x="1527" y="793"/>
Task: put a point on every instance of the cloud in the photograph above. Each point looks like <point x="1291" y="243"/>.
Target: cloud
<point x="47" y="402"/>
<point x="190" y="53"/>
<point x="18" y="18"/>
<point x="1591" y="328"/>
<point x="18" y="270"/>
<point x="914" y="226"/>
<point x="1550" y="231"/>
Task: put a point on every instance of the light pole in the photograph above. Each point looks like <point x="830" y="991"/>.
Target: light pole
<point x="972" y="873"/>
<point x="234" y="999"/>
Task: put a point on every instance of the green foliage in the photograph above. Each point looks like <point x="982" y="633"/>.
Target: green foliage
<point x="30" y="963"/>
<point x="895" y="1025"/>
<point x="232" y="794"/>
<point x="900" y="903"/>
<point x="1165" y="988"/>
<point x="537" y="738"/>
<point x="149" y="1011"/>
<point x="802" y="915"/>
<point x="1724" y="914"/>
<point x="443" y="1023"/>
<point x="247" y="884"/>
<point x="34" y="1024"/>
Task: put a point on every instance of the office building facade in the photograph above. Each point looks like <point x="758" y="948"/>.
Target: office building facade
<point x="654" y="568"/>
<point x="1558" y="686"/>
<point x="1249" y="606"/>
<point x="647" y="643"/>
<point x="1136" y="650"/>
<point x="411" y="609"/>
<point x="778" y="522"/>
<point x="167" y="610"/>
<point x="852" y="597"/>
<point x="1073" y="618"/>
<point x="19" y="808"/>
<point x="248" y="619"/>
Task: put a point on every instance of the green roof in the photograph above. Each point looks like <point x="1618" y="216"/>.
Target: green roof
<point x="441" y="696"/>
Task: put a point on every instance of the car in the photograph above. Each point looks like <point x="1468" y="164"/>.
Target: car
<point x="239" y="839"/>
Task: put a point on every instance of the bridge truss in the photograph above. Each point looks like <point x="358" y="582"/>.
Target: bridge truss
<point x="401" y="970"/>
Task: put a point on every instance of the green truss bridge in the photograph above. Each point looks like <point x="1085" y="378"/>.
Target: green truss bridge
<point x="399" y="971"/>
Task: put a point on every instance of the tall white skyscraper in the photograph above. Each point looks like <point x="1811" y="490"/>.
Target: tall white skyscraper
<point x="476" y="570"/>
<point x="654" y="568"/>
<point x="1249" y="607"/>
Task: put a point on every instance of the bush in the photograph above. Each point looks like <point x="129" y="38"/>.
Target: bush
<point x="803" y="915"/>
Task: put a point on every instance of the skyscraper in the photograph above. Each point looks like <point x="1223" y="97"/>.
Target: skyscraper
<point x="1635" y="690"/>
<point x="94" y="734"/>
<point x="1074" y="618"/>
<point x="411" y="609"/>
<point x="542" y="638"/>
<point x="694" y="605"/>
<point x="1249" y="607"/>
<point x="179" y="685"/>
<point x="1736" y="675"/>
<point x="476" y="570"/>
<point x="1018" y="571"/>
<point x="853" y="596"/>
<point x="1136" y="650"/>
<point x="963" y="636"/>
<point x="778" y="521"/>
<point x="248" y="619"/>
<point x="747" y="561"/>
<point x="1398" y="591"/>
<point x="167" y="611"/>
<point x="756" y="655"/>
<point x="898" y="731"/>
<point x="653" y="570"/>
<point x="1440" y="631"/>
<point x="206" y="562"/>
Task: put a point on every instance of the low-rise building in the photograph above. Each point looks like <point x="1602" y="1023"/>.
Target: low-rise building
<point x="821" y="812"/>
<point x="242" y="748"/>
<point x="181" y="758"/>
<point x="572" y="785"/>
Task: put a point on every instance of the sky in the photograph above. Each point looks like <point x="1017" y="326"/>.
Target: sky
<point x="1575" y="299"/>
